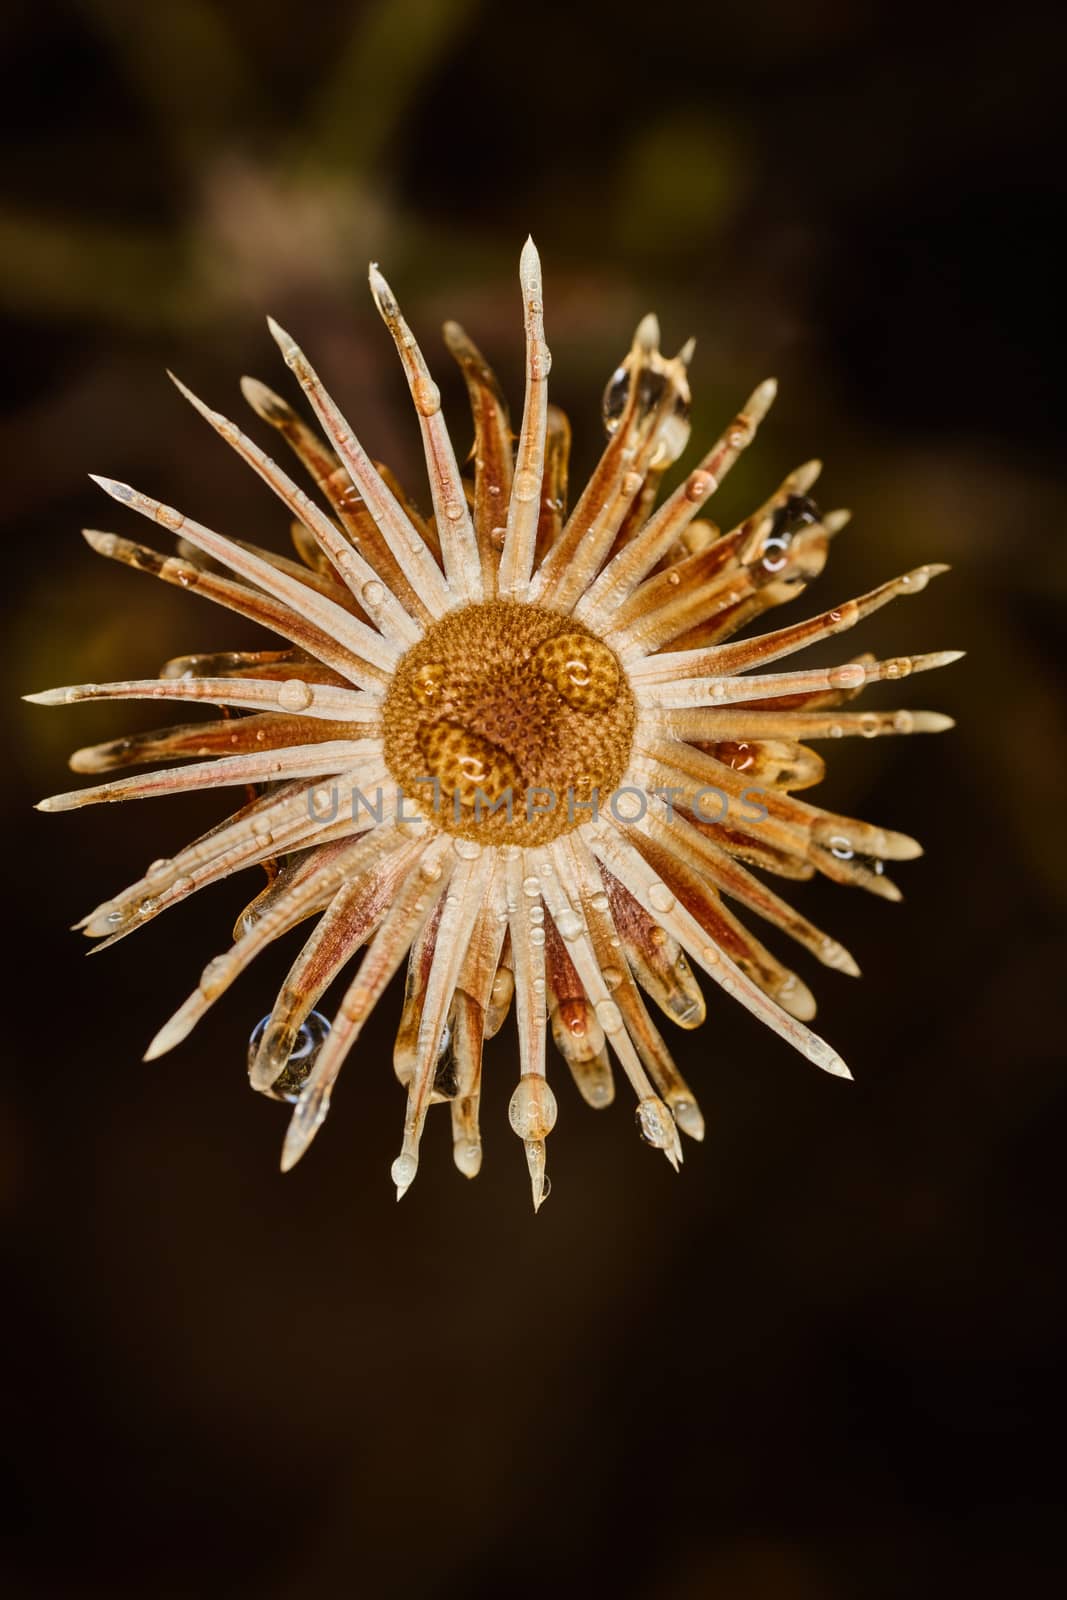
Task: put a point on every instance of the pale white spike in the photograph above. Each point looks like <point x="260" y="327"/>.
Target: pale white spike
<point x="367" y="646"/>
<point x="633" y="563"/>
<point x="375" y="596"/>
<point x="559" y="866"/>
<point x="625" y="861"/>
<point x="404" y="540"/>
<point x="673" y="680"/>
<point x="459" y="548"/>
<point x="463" y="901"/>
<point x="290" y="695"/>
<point x="268" y="766"/>
<point x="516" y="562"/>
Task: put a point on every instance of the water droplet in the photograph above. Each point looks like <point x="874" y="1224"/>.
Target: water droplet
<point x="497" y="536"/>
<point x="775" y="554"/>
<point x="869" y="725"/>
<point x="631" y="483"/>
<point x="532" y="1108"/>
<point x="427" y="681"/>
<point x="600" y="902"/>
<point x="699" y="486"/>
<point x="295" y="695"/>
<point x="569" y="924"/>
<point x="850" y="676"/>
<point x="467" y="849"/>
<point x="526" y="486"/>
<point x="314" y="1031"/>
<point x="841" y="847"/>
<point x="213" y="977"/>
<point x="537" y="936"/>
<point x="373" y="593"/>
<point x="608" y="1015"/>
<point x="660" y="897"/>
<point x="612" y="976"/>
<point x="655" y="1123"/>
<point x="403" y="1171"/>
<point x="531" y="886"/>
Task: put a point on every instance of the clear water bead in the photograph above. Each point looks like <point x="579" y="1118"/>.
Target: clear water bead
<point x="314" y="1032"/>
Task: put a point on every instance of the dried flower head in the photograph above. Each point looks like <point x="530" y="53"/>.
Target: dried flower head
<point x="508" y="744"/>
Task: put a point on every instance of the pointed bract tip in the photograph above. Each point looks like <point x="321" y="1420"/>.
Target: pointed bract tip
<point x="646" y="334"/>
<point x="193" y="399"/>
<point x="296" y="1142"/>
<point x="685" y="354"/>
<point x="530" y="268"/>
<point x="834" y="521"/>
<point x="112" y="486"/>
<point x="49" y="697"/>
<point x="762" y="398"/>
<point x="384" y="297"/>
<point x="103" y="543"/>
<point x="837" y="1068"/>
<point x="285" y="341"/>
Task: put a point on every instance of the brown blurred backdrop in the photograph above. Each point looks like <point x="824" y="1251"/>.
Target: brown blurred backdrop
<point x="823" y="1362"/>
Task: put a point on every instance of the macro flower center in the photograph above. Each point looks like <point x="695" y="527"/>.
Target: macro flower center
<point x="504" y="719"/>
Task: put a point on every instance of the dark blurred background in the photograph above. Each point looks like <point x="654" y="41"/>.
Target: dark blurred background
<point x="823" y="1362"/>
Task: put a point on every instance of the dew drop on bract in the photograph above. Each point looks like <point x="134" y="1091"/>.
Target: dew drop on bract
<point x="314" y="1032"/>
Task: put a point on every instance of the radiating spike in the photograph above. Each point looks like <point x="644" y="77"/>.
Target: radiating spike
<point x="677" y="679"/>
<point x="403" y="538"/>
<point x="291" y="694"/>
<point x="455" y="530"/>
<point x="331" y="478"/>
<point x="238" y="597"/>
<point x="493" y="459"/>
<point x="554" y="487"/>
<point x="651" y="429"/>
<point x="299" y="761"/>
<point x="373" y="596"/>
<point x="462" y="903"/>
<point x="681" y="836"/>
<point x="224" y="969"/>
<point x="629" y="866"/>
<point x="276" y="822"/>
<point x="689" y="887"/>
<point x="230" y="736"/>
<point x="655" y="958"/>
<point x="637" y="559"/>
<point x="372" y="657"/>
<point x="578" y="1036"/>
<point x="352" y="916"/>
<point x="707" y="723"/>
<point x="413" y="903"/>
<point x="520" y="539"/>
<point x="727" y="659"/>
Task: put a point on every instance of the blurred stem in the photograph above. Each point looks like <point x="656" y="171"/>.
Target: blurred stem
<point x="392" y="48"/>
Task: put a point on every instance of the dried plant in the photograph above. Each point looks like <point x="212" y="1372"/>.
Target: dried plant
<point x="490" y="745"/>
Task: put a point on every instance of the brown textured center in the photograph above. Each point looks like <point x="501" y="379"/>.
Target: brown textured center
<point x="500" y="699"/>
